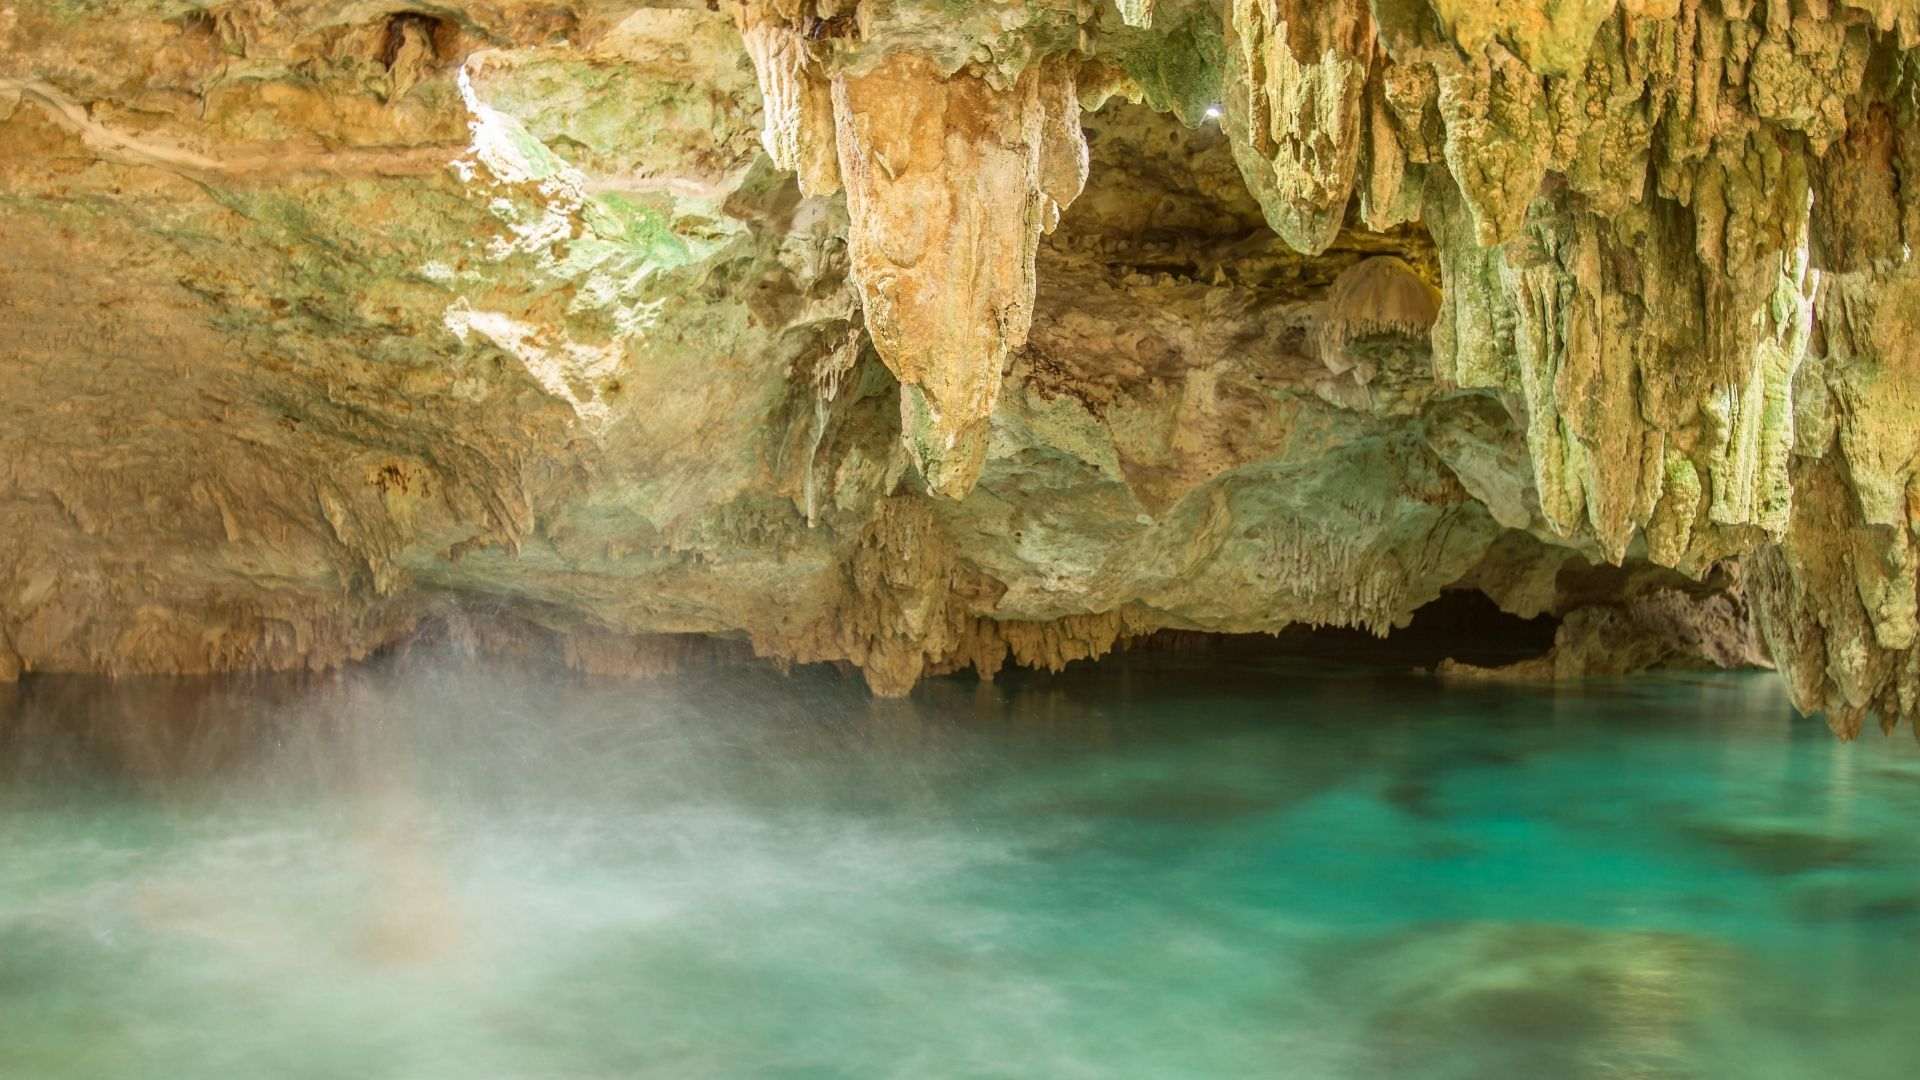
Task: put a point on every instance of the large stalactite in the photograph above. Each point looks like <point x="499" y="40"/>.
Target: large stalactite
<point x="923" y="335"/>
<point x="950" y="183"/>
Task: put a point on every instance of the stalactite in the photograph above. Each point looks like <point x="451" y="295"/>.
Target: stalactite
<point x="796" y="100"/>
<point x="1297" y="82"/>
<point x="950" y="184"/>
<point x="383" y="337"/>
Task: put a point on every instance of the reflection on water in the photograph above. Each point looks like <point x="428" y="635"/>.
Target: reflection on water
<point x="1150" y="868"/>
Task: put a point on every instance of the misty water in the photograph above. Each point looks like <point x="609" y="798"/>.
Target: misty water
<point x="1154" y="867"/>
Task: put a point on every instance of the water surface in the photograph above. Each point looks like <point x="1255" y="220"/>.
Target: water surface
<point x="1159" y="868"/>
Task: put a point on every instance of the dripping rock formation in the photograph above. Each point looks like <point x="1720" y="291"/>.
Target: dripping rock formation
<point x="923" y="335"/>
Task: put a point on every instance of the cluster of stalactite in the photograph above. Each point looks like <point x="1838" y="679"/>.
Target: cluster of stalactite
<point x="1676" y="234"/>
<point x="1673" y="234"/>
<point x="498" y="305"/>
<point x="951" y="177"/>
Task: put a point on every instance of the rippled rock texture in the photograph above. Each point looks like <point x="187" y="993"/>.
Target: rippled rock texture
<point x="928" y="335"/>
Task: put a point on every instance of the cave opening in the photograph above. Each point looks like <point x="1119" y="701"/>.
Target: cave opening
<point x="1461" y="625"/>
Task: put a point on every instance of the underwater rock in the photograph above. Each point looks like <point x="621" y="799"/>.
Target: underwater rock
<point x="1785" y="848"/>
<point x="1543" y="999"/>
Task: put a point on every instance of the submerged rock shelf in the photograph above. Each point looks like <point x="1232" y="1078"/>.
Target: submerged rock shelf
<point x="924" y="336"/>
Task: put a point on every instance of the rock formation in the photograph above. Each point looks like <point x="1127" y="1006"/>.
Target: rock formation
<point x="924" y="336"/>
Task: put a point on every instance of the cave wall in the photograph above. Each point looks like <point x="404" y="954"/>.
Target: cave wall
<point x="925" y="335"/>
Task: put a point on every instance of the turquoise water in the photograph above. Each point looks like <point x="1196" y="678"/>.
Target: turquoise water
<point x="1152" y="869"/>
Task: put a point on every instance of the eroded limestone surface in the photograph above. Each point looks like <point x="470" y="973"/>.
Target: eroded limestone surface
<point x="926" y="335"/>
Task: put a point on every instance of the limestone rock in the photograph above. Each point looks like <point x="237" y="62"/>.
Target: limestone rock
<point x="1838" y="593"/>
<point x="1297" y="81"/>
<point x="1136" y="12"/>
<point x="797" y="127"/>
<point x="921" y="335"/>
<point x="950" y="183"/>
